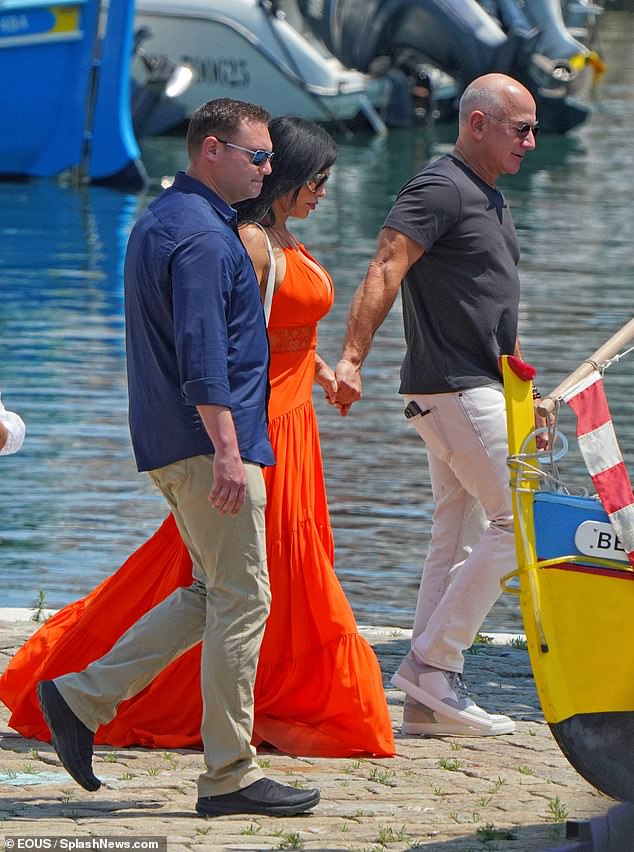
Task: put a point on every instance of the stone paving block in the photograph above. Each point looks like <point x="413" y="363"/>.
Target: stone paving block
<point x="508" y="794"/>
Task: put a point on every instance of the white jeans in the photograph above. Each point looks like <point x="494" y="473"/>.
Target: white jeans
<point x="472" y="545"/>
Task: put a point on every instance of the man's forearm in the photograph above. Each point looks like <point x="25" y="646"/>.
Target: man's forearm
<point x="218" y="422"/>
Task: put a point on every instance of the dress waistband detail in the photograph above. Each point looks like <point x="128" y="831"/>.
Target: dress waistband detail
<point x="293" y="338"/>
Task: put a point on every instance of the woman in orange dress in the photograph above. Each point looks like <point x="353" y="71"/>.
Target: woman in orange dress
<point x="318" y="689"/>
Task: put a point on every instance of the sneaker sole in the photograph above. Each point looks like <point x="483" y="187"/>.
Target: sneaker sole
<point x="448" y="728"/>
<point x="463" y="717"/>
<point x="262" y="810"/>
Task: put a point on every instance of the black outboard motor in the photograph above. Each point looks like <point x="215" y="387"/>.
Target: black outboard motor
<point x="464" y="39"/>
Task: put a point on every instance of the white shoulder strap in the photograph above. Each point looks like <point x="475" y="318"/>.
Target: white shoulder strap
<point x="270" y="278"/>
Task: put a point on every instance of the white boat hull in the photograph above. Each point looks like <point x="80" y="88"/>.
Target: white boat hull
<point x="242" y="50"/>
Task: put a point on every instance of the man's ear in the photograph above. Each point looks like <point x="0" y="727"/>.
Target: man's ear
<point x="477" y="120"/>
<point x="210" y="147"/>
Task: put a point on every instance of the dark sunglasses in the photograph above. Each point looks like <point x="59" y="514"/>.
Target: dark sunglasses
<point x="522" y="130"/>
<point x="316" y="182"/>
<point x="526" y="128"/>
<point x="258" y="158"/>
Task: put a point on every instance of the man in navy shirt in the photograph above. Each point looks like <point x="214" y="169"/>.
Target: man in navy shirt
<point x="197" y="356"/>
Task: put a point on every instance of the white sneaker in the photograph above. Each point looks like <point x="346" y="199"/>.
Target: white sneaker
<point x="419" y="720"/>
<point x="441" y="691"/>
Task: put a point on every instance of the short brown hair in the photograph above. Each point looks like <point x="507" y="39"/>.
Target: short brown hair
<point x="221" y="117"/>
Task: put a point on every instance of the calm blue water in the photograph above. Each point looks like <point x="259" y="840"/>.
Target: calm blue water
<point x="72" y="505"/>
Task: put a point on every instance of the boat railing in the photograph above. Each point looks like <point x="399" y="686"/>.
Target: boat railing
<point x="605" y="355"/>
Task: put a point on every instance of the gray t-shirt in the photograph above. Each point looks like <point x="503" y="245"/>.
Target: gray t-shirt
<point x="460" y="300"/>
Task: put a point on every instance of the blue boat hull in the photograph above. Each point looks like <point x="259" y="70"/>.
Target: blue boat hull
<point x="66" y="91"/>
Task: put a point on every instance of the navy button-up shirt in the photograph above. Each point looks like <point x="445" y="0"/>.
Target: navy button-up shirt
<point x="195" y="329"/>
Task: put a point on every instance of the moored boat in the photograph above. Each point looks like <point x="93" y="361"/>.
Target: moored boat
<point x="576" y="574"/>
<point x="248" y="50"/>
<point x="66" y="91"/>
<point x="465" y="39"/>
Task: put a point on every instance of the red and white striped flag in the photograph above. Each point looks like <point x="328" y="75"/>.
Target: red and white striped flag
<point x="602" y="455"/>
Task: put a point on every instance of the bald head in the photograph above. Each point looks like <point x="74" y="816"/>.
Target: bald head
<point x="497" y="115"/>
<point x="490" y="93"/>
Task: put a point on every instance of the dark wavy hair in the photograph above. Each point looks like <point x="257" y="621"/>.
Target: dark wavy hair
<point x="302" y="149"/>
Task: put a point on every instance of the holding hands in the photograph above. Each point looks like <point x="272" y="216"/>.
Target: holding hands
<point x="334" y="392"/>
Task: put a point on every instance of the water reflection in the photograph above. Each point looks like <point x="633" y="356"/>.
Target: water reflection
<point x="72" y="505"/>
<point x="62" y="356"/>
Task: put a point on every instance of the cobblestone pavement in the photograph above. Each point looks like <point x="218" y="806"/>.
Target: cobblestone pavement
<point x="446" y="794"/>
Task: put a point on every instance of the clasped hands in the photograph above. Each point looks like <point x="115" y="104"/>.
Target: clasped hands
<point x="341" y="387"/>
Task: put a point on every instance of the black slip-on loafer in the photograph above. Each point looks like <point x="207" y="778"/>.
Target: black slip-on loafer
<point x="72" y="740"/>
<point x="264" y="797"/>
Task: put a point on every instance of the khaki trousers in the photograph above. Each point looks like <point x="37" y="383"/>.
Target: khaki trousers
<point x="226" y="607"/>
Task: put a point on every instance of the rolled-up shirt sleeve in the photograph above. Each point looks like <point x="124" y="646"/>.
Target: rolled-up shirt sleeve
<point x="202" y="271"/>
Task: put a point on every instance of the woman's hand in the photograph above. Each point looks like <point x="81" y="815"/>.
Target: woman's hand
<point x="325" y="377"/>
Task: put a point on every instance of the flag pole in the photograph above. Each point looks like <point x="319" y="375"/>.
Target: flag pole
<point x="597" y="360"/>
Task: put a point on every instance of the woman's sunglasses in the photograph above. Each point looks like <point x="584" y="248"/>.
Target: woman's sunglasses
<point x="316" y="182"/>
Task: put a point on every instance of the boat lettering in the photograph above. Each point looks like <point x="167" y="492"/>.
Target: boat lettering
<point x="13" y="24"/>
<point x="597" y="538"/>
<point x="48" y="22"/>
<point x="230" y="72"/>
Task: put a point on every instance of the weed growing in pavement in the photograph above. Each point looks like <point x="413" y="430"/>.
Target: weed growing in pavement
<point x="498" y="783"/>
<point x="484" y="801"/>
<point x="518" y="642"/>
<point x="127" y="776"/>
<point x="251" y="829"/>
<point x="290" y="840"/>
<point x="111" y="757"/>
<point x="263" y="762"/>
<point x="455" y="746"/>
<point x="382" y="776"/>
<point x="169" y="758"/>
<point x="153" y="772"/>
<point x="388" y="835"/>
<point x="38" y="607"/>
<point x="451" y="764"/>
<point x="557" y="811"/>
<point x="525" y="770"/>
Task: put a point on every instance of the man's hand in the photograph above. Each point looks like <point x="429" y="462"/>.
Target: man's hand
<point x="230" y="484"/>
<point x="349" y="387"/>
<point x="229" y="490"/>
<point x="541" y="440"/>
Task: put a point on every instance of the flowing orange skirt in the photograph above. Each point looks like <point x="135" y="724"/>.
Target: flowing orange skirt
<point x="318" y="690"/>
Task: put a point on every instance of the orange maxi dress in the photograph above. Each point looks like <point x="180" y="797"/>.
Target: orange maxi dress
<point x="318" y="689"/>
